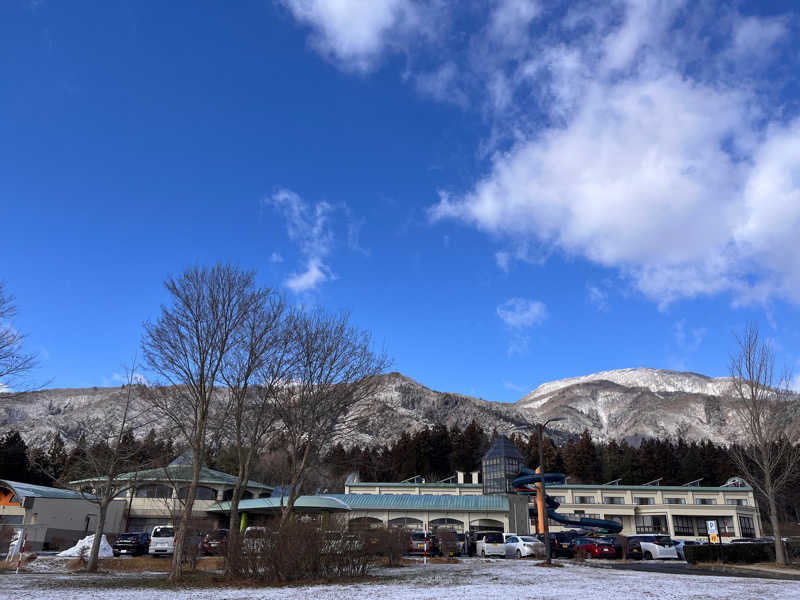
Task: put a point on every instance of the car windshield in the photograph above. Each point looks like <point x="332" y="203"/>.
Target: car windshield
<point x="164" y="532"/>
<point x="493" y="538"/>
<point x="664" y="540"/>
<point x="418" y="537"/>
<point x="128" y="537"/>
<point x="219" y="534"/>
<point x="527" y="538"/>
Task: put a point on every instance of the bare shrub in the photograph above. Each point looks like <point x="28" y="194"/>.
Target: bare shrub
<point x="390" y="543"/>
<point x="300" y="551"/>
<point x="448" y="542"/>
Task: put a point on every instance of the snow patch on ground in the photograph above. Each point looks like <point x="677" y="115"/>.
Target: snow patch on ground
<point x="85" y="546"/>
<point x="470" y="578"/>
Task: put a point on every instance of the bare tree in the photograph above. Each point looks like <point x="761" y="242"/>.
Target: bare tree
<point x="187" y="346"/>
<point x="333" y="369"/>
<point x="107" y="453"/>
<point x="14" y="361"/>
<point x="766" y="447"/>
<point x="257" y="363"/>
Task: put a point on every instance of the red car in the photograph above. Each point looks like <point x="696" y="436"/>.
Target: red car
<point x="423" y="543"/>
<point x="593" y="548"/>
<point x="215" y="542"/>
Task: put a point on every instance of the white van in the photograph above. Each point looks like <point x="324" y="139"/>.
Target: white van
<point x="162" y="540"/>
<point x="488" y="543"/>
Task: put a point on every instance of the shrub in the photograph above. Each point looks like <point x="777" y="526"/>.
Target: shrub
<point x="301" y="551"/>
<point x="736" y="553"/>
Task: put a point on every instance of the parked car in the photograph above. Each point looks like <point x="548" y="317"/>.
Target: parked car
<point x="560" y="543"/>
<point x="214" y="542"/>
<point x="587" y="547"/>
<point x="132" y="543"/>
<point x="634" y="547"/>
<point x="451" y="543"/>
<point x="420" y="542"/>
<point x="518" y="546"/>
<point x="162" y="540"/>
<point x="681" y="544"/>
<point x="489" y="543"/>
<point x="660" y="547"/>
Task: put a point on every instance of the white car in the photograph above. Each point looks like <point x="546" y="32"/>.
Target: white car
<point x="162" y="540"/>
<point x="518" y="546"/>
<point x="488" y="543"/>
<point x="658" y="547"/>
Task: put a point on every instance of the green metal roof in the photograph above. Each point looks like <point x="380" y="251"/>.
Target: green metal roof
<point x="443" y="502"/>
<point x="302" y="504"/>
<point x="181" y="473"/>
<point x="28" y="490"/>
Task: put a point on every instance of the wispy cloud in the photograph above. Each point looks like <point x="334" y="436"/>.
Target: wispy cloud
<point x="598" y="296"/>
<point x="510" y="385"/>
<point x="520" y="315"/>
<point x="275" y="257"/>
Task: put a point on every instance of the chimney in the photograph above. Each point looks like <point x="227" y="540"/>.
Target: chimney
<point x="460" y="475"/>
<point x="475" y="477"/>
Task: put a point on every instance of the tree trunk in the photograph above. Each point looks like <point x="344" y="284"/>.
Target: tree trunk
<point x="94" y="558"/>
<point x="234" y="535"/>
<point x="780" y="555"/>
<point x="176" y="570"/>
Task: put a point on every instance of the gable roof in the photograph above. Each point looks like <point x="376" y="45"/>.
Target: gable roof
<point x="503" y="448"/>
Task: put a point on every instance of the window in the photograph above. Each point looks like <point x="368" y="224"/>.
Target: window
<point x="705" y="500"/>
<point x="651" y="524"/>
<point x="559" y="499"/>
<point x="203" y="493"/>
<point x="736" y="501"/>
<point x="644" y="500"/>
<point x="683" y="525"/>
<point x="11" y="519"/>
<point x="614" y="518"/>
<point x="726" y="526"/>
<point x="154" y="491"/>
<point x="613" y="500"/>
<point x="584" y="499"/>
<point x="746" y="525"/>
<point x="675" y="500"/>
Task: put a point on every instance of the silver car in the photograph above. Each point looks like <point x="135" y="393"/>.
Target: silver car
<point x="519" y="546"/>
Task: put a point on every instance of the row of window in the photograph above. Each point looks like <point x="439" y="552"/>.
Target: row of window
<point x="682" y="525"/>
<point x="648" y="500"/>
<point x="165" y="491"/>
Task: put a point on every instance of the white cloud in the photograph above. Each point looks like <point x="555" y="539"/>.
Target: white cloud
<point x="4" y="389"/>
<point x="644" y="137"/>
<point x="309" y="227"/>
<point x="355" y="33"/>
<point x="275" y="257"/>
<point x="521" y="313"/>
<point x="668" y="179"/>
<point x="598" y="296"/>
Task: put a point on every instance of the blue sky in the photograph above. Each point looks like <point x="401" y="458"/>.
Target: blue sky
<point x="504" y="193"/>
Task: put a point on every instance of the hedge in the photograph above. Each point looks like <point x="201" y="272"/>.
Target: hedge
<point x="737" y="553"/>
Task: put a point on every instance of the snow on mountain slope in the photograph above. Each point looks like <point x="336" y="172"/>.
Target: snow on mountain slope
<point x="655" y="380"/>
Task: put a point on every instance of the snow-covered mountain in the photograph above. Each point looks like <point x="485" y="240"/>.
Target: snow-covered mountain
<point x="627" y="403"/>
<point x="636" y="403"/>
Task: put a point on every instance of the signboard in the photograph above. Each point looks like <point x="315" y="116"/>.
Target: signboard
<point x="711" y="527"/>
<point x="713" y="538"/>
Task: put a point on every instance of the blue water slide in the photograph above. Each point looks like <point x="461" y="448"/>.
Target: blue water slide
<point x="525" y="483"/>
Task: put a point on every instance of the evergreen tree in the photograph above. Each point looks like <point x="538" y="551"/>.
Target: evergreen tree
<point x="14" y="457"/>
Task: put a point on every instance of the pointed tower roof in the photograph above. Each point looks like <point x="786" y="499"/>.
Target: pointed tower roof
<point x="503" y="448"/>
